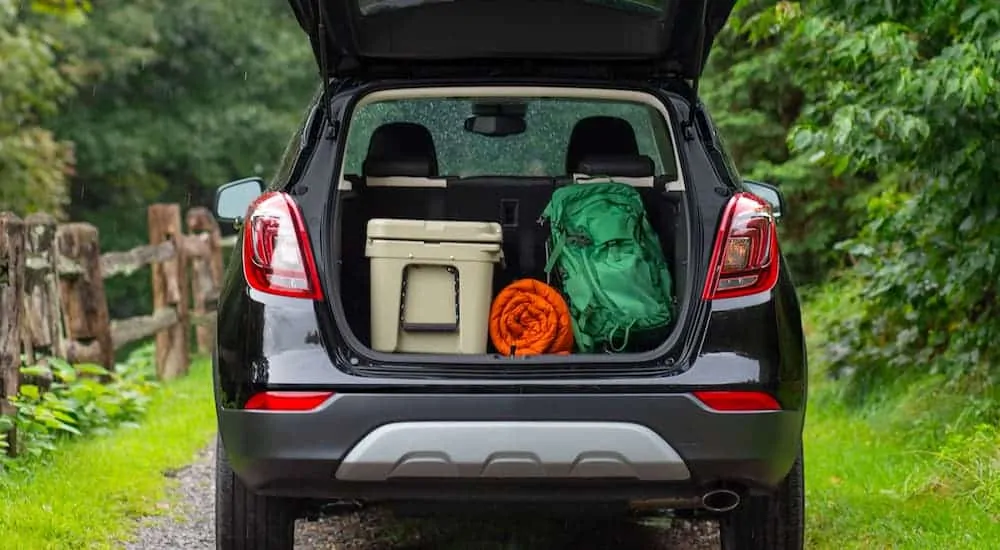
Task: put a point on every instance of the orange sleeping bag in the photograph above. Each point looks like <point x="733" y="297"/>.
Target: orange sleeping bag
<point x="530" y="317"/>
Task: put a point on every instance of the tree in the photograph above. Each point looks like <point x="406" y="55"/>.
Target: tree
<point x="34" y="164"/>
<point x="181" y="96"/>
<point x="908" y="95"/>
<point x="174" y="99"/>
<point x="756" y="100"/>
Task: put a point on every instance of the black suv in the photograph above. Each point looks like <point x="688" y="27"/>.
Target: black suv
<point x="477" y="111"/>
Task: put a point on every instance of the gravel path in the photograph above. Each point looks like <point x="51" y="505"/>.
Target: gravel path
<point x="189" y="526"/>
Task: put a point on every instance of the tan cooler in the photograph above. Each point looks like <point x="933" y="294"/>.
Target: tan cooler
<point x="432" y="284"/>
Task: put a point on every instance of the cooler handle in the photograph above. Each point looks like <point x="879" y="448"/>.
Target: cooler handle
<point x="426" y="327"/>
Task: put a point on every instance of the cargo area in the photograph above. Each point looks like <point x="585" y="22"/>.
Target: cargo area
<point x="441" y="238"/>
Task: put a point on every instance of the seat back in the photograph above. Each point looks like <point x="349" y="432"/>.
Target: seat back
<point x="516" y="203"/>
<point x="599" y="135"/>
<point x="401" y="173"/>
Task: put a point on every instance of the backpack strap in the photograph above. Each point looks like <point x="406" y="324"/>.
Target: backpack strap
<point x="554" y="256"/>
<point x="614" y="331"/>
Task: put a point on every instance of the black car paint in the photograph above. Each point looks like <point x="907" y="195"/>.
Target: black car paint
<point x="276" y="343"/>
<point x="676" y="41"/>
<point x="751" y="451"/>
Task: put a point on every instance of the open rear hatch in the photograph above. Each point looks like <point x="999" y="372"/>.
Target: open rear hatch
<point x="351" y="37"/>
<point x="371" y="39"/>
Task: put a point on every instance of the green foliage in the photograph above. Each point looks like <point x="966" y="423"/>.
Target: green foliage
<point x="183" y="95"/>
<point x="106" y="108"/>
<point x="73" y="9"/>
<point x="174" y="98"/>
<point x="756" y="101"/>
<point x="79" y="402"/>
<point x="928" y="490"/>
<point x="913" y="95"/>
<point x="917" y="453"/>
<point x="88" y="492"/>
<point x="891" y="111"/>
<point x="972" y="466"/>
<point x="33" y="163"/>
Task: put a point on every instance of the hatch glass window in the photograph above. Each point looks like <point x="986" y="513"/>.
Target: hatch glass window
<point x="530" y="137"/>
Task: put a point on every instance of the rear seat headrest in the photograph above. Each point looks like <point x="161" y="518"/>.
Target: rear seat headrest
<point x="413" y="167"/>
<point x="404" y="146"/>
<point x="600" y="135"/>
<point x="626" y="166"/>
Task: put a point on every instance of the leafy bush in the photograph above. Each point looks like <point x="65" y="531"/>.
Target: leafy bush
<point x="900" y="103"/>
<point x="34" y="164"/>
<point x="82" y="400"/>
<point x="924" y="115"/>
<point x="756" y="100"/>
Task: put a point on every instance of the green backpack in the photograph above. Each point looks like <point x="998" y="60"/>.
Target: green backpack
<point x="610" y="266"/>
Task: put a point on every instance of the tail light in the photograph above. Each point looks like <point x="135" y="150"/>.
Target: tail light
<point x="738" y="401"/>
<point x="277" y="256"/>
<point x="745" y="256"/>
<point x="291" y="401"/>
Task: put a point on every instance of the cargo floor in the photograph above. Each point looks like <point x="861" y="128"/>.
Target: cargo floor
<point x="515" y="203"/>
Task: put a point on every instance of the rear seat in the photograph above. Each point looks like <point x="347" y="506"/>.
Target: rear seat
<point x="401" y="174"/>
<point x="600" y="136"/>
<point x="635" y="170"/>
<point x="661" y="203"/>
<point x="516" y="203"/>
<point x="401" y="180"/>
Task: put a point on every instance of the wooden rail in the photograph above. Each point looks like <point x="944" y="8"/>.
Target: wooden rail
<point x="53" y="302"/>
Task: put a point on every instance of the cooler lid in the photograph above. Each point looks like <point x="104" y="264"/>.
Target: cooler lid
<point x="435" y="231"/>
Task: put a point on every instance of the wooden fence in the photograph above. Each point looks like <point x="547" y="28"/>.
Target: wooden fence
<point x="53" y="304"/>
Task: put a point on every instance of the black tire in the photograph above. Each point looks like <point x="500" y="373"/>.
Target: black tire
<point x="770" y="522"/>
<point x="247" y="521"/>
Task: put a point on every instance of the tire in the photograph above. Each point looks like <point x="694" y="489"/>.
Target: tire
<point x="769" y="522"/>
<point x="247" y="521"/>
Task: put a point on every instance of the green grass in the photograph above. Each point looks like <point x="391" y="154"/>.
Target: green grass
<point x="88" y="493"/>
<point x="869" y="487"/>
<point x="917" y="466"/>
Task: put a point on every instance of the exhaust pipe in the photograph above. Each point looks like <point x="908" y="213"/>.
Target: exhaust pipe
<point x="720" y="500"/>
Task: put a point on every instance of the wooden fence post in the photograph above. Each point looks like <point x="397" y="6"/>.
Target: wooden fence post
<point x="43" y="332"/>
<point x="11" y="307"/>
<point x="85" y="306"/>
<point x="170" y="290"/>
<point x="207" y="274"/>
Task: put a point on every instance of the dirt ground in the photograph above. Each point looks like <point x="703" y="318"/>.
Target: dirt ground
<point x="189" y="525"/>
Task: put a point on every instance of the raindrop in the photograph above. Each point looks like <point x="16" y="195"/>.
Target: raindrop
<point x="245" y="76"/>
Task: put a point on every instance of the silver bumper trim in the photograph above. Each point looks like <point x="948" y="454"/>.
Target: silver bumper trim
<point x="582" y="450"/>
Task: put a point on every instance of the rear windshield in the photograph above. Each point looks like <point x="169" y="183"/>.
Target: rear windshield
<point x="540" y="150"/>
<point x="369" y="7"/>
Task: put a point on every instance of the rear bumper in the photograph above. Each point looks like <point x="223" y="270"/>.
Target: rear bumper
<point x="599" y="447"/>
